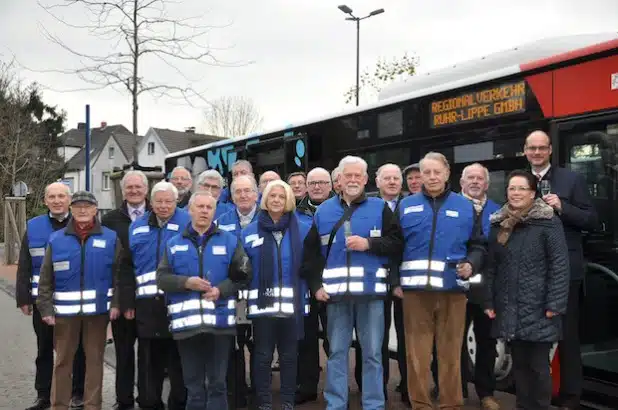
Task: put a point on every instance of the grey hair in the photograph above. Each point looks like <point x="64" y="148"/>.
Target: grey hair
<point x="335" y="174"/>
<point x="210" y="174"/>
<point x="476" y="164"/>
<point x="319" y="169"/>
<point x="383" y="167"/>
<point x="242" y="162"/>
<point x="164" y="186"/>
<point x="254" y="185"/>
<point x="180" y="168"/>
<point x="132" y="173"/>
<point x="200" y="193"/>
<point x="352" y="160"/>
<point x="435" y="156"/>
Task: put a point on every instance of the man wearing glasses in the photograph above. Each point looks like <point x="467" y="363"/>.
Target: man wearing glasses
<point x="319" y="189"/>
<point x="212" y="181"/>
<point x="566" y="192"/>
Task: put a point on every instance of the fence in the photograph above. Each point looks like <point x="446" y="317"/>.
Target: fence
<point x="14" y="227"/>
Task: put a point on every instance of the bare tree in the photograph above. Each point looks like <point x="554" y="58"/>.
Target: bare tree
<point x="232" y="117"/>
<point x="142" y="34"/>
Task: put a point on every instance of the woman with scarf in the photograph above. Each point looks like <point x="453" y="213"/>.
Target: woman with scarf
<point x="277" y="298"/>
<point x="527" y="284"/>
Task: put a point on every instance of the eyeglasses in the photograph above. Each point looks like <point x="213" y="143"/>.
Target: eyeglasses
<point x="207" y="187"/>
<point x="542" y="148"/>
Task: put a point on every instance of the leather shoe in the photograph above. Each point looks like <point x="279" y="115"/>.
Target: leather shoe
<point x="302" y="398"/>
<point x="40" y="404"/>
<point x="77" y="403"/>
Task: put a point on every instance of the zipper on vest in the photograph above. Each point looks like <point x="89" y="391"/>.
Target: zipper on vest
<point x="434" y="222"/>
<point x="200" y="252"/>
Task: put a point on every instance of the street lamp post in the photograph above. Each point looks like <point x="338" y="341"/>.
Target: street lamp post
<point x="348" y="10"/>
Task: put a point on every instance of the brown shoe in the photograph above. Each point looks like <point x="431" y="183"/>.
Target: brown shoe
<point x="489" y="403"/>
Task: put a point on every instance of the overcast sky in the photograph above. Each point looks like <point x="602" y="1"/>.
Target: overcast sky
<point x="302" y="52"/>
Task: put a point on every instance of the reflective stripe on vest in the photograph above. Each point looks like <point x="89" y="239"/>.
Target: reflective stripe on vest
<point x="336" y="280"/>
<point x="207" y="317"/>
<point x="82" y="302"/>
<point x="285" y="304"/>
<point x="146" y="284"/>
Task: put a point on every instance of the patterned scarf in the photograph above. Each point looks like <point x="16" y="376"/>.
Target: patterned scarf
<point x="478" y="204"/>
<point x="514" y="216"/>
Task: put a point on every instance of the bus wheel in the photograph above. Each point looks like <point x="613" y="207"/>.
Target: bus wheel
<point x="504" y="362"/>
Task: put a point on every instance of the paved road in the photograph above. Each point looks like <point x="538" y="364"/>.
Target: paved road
<point x="18" y="351"/>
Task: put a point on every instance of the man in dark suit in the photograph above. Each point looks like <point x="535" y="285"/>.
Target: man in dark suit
<point x="389" y="181"/>
<point x="569" y="196"/>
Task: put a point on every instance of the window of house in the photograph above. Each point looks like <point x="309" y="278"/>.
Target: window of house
<point x="151" y="148"/>
<point x="111" y="152"/>
<point x="105" y="183"/>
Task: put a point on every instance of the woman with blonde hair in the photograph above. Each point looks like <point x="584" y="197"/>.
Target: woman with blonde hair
<point x="277" y="297"/>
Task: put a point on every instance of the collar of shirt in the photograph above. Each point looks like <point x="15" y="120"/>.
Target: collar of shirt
<point x="59" y="218"/>
<point x="249" y="216"/>
<point x="541" y="174"/>
<point x="131" y="210"/>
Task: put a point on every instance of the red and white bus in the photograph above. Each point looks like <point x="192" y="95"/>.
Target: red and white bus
<point x="481" y="111"/>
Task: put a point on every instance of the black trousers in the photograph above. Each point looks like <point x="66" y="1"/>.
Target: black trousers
<point x="532" y="375"/>
<point x="484" y="375"/>
<point x="324" y="321"/>
<point x="308" y="373"/>
<point x="125" y="334"/>
<point x="154" y="356"/>
<point x="236" y="379"/>
<point x="45" y="359"/>
<point x="401" y="344"/>
<point x="569" y="351"/>
<point x="358" y="369"/>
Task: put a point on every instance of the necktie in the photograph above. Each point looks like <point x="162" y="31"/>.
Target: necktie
<point x="136" y="214"/>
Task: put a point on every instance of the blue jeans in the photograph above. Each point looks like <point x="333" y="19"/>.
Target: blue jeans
<point x="369" y="319"/>
<point x="269" y="332"/>
<point x="204" y="359"/>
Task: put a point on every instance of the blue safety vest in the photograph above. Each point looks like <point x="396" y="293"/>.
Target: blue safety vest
<point x="39" y="229"/>
<point x="489" y="208"/>
<point x="230" y="222"/>
<point x="352" y="272"/>
<point x="83" y="273"/>
<point x="283" y="281"/>
<point x="147" y="244"/>
<point x="188" y="310"/>
<point x="434" y="243"/>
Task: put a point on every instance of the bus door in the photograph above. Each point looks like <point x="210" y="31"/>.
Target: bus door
<point x="589" y="146"/>
<point x="296" y="154"/>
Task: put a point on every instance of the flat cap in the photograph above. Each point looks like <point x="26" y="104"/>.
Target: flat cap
<point x="413" y="167"/>
<point x="84" y="196"/>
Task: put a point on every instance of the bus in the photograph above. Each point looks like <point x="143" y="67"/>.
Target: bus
<point x="481" y="111"/>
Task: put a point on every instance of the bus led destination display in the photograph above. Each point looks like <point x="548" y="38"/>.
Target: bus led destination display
<point x="479" y="105"/>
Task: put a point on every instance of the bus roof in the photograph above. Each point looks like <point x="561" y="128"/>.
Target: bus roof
<point x="497" y="65"/>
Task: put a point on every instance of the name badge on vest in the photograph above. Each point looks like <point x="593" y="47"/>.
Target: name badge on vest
<point x="452" y="214"/>
<point x="257" y="242"/>
<point x="219" y="250"/>
<point x="61" y="266"/>
<point x="141" y="229"/>
<point x="251" y="238"/>
<point x="375" y="233"/>
<point x="413" y="208"/>
<point x="172" y="227"/>
<point x="324" y="239"/>
<point x="99" y="243"/>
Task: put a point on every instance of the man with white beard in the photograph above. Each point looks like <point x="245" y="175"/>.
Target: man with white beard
<point x="181" y="179"/>
<point x="352" y="238"/>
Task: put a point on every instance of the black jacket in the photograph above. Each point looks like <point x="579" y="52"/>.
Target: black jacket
<point x="528" y="276"/>
<point x="23" y="285"/>
<point x="577" y="215"/>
